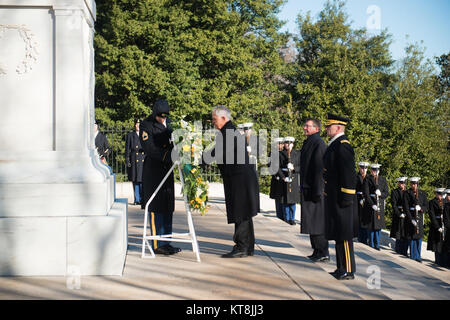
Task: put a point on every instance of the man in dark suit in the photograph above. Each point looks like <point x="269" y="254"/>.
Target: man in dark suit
<point x="134" y="157"/>
<point x="239" y="180"/>
<point x="101" y="143"/>
<point x="155" y="136"/>
<point x="341" y="213"/>
<point x="311" y="190"/>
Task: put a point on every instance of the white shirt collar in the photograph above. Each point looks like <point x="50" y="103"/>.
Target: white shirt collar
<point x="335" y="137"/>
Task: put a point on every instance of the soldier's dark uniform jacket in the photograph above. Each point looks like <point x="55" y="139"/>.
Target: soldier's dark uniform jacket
<point x="102" y="145"/>
<point x="277" y="183"/>
<point x="341" y="210"/>
<point x="446" y="247"/>
<point x="409" y="202"/>
<point x="312" y="185"/>
<point x="155" y="140"/>
<point x="291" y="191"/>
<point x="398" y="230"/>
<point x="134" y="157"/>
<point x="371" y="219"/>
<point x="435" y="240"/>
<point x="360" y="197"/>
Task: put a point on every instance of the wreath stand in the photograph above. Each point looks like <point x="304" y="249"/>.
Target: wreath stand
<point x="175" y="237"/>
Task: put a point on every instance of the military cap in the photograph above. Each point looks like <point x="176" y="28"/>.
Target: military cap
<point x="439" y="190"/>
<point x="447" y="191"/>
<point x="402" y="179"/>
<point x="289" y="139"/>
<point x="335" y="119"/>
<point x="245" y="126"/>
<point x="161" y="108"/>
<point x="375" y="166"/>
<point x="279" y="140"/>
<point x="363" y="164"/>
<point x="414" y="180"/>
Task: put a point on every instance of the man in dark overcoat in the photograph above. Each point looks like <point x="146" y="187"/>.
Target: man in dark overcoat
<point x="239" y="180"/>
<point x="375" y="192"/>
<point x="341" y="215"/>
<point x="101" y="143"/>
<point x="311" y="190"/>
<point x="361" y="176"/>
<point x="155" y="136"/>
<point x="290" y="166"/>
<point x="276" y="183"/>
<point x="398" y="231"/>
<point x="134" y="157"/>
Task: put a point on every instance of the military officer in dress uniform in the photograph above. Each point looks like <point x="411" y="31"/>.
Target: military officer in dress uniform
<point x="362" y="174"/>
<point x="276" y="184"/>
<point x="375" y="192"/>
<point x="415" y="204"/>
<point x="155" y="136"/>
<point x="437" y="228"/>
<point x="134" y="156"/>
<point x="398" y="231"/>
<point x="291" y="168"/>
<point x="446" y="249"/>
<point x="341" y="212"/>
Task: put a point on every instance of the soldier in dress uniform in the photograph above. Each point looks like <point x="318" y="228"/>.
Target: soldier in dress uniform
<point x="155" y="136"/>
<point x="446" y="249"/>
<point x="341" y="211"/>
<point x="101" y="143"/>
<point x="276" y="184"/>
<point x="135" y="156"/>
<point x="398" y="231"/>
<point x="375" y="192"/>
<point x="362" y="174"/>
<point x="311" y="190"/>
<point x="437" y="228"/>
<point x="415" y="204"/>
<point x="291" y="168"/>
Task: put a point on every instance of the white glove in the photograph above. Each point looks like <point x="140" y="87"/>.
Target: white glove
<point x="378" y="192"/>
<point x="361" y="202"/>
<point x="402" y="216"/>
<point x="374" y="207"/>
<point x="441" y="229"/>
<point x="287" y="179"/>
<point x="290" y="166"/>
<point x="418" y="208"/>
<point x="414" y="222"/>
<point x="249" y="149"/>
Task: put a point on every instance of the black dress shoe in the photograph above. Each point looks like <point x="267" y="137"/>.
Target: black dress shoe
<point x="345" y="276"/>
<point x="235" y="254"/>
<point x="322" y="259"/>
<point x="173" y="249"/>
<point x="250" y="252"/>
<point x="163" y="250"/>
<point x="292" y="222"/>
<point x="334" y="273"/>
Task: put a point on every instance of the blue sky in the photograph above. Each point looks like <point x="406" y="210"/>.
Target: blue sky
<point x="420" y="20"/>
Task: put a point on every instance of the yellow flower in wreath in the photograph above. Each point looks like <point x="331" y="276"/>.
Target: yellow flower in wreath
<point x="186" y="148"/>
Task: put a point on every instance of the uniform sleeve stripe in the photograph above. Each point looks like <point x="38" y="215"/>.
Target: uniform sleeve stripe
<point x="349" y="191"/>
<point x="345" y="141"/>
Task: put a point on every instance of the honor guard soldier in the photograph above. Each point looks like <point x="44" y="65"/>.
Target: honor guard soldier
<point x="101" y="143"/>
<point x="341" y="212"/>
<point x="446" y="249"/>
<point x="311" y="190"/>
<point x="277" y="184"/>
<point x="134" y="157"/>
<point x="398" y="230"/>
<point x="360" y="178"/>
<point x="155" y="136"/>
<point x="291" y="168"/>
<point x="375" y="192"/>
<point x="436" y="233"/>
<point x="415" y="204"/>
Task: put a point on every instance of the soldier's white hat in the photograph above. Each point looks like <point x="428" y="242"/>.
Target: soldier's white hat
<point x="289" y="139"/>
<point x="245" y="126"/>
<point x="363" y="164"/>
<point x="447" y="191"/>
<point x="402" y="179"/>
<point x="439" y="190"/>
<point x="375" y="166"/>
<point x="414" y="179"/>
<point x="279" y="140"/>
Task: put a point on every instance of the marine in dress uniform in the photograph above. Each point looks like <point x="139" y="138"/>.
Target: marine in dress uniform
<point x="375" y="192"/>
<point x="291" y="168"/>
<point x="239" y="181"/>
<point x="398" y="230"/>
<point x="362" y="174"/>
<point x="311" y="190"/>
<point x="437" y="228"/>
<point x="341" y="212"/>
<point x="155" y="136"/>
<point x="415" y="204"/>
<point x="135" y="156"/>
<point x="446" y="248"/>
<point x="276" y="183"/>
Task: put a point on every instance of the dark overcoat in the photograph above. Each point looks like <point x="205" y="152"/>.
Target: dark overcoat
<point x="410" y="200"/>
<point x="360" y="197"/>
<point x="371" y="219"/>
<point x="436" y="212"/>
<point x="447" y="227"/>
<point x="398" y="230"/>
<point x="312" y="186"/>
<point x="291" y="190"/>
<point x="276" y="183"/>
<point x="102" y="145"/>
<point x="341" y="211"/>
<point x="134" y="157"/>
<point x="155" y="140"/>
<point x="239" y="179"/>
